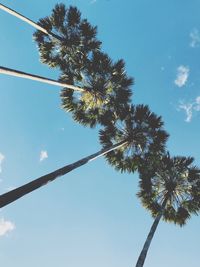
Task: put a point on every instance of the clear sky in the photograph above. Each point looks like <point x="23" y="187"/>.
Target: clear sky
<point x="91" y="217"/>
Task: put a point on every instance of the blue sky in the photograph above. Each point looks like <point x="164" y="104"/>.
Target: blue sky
<point x="91" y="217"/>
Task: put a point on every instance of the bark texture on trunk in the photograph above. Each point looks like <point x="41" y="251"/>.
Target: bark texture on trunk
<point x="143" y="254"/>
<point x="29" y="21"/>
<point x="19" y="192"/>
<point x="21" y="74"/>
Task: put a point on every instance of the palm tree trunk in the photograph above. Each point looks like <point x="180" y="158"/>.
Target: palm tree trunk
<point x="19" y="192"/>
<point x="17" y="73"/>
<point x="143" y="254"/>
<point x="29" y="21"/>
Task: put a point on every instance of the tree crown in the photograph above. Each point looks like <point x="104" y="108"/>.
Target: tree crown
<point x="173" y="180"/>
<point x="143" y="131"/>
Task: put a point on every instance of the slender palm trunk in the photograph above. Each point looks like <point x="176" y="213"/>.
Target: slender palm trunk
<point x="17" y="73"/>
<point x="147" y="243"/>
<point x="29" y="21"/>
<point x="143" y="254"/>
<point x="19" y="192"/>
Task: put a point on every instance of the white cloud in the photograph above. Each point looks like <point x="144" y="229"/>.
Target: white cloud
<point x="93" y="1"/>
<point x="43" y="155"/>
<point x="6" y="226"/>
<point x="190" y="108"/>
<point x="182" y="75"/>
<point x="195" y="38"/>
<point x="2" y="157"/>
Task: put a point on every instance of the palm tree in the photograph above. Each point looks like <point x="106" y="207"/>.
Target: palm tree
<point x="29" y="21"/>
<point x="21" y="74"/>
<point x="99" y="93"/>
<point x="131" y="137"/>
<point x="169" y="188"/>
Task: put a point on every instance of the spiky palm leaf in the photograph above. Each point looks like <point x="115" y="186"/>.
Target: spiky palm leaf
<point x="142" y="129"/>
<point x="174" y="180"/>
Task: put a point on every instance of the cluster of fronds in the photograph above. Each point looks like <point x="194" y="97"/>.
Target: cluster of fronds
<point x="106" y="88"/>
<point x="72" y="47"/>
<point x="142" y="130"/>
<point x="72" y="41"/>
<point x="173" y="181"/>
<point x="167" y="185"/>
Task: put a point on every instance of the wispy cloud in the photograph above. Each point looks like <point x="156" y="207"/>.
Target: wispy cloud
<point x="182" y="75"/>
<point x="43" y="155"/>
<point x="2" y="157"/>
<point x="194" y="38"/>
<point x="6" y="226"/>
<point x="190" y="108"/>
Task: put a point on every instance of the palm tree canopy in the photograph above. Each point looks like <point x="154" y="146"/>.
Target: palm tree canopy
<point x="107" y="89"/>
<point x="78" y="38"/>
<point x="143" y="131"/>
<point x="174" y="181"/>
<point x="82" y="64"/>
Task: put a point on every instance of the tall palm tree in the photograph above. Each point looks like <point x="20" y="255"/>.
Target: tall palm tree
<point x="29" y="21"/>
<point x="82" y="64"/>
<point x="100" y="90"/>
<point x="131" y="137"/>
<point x="170" y="189"/>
